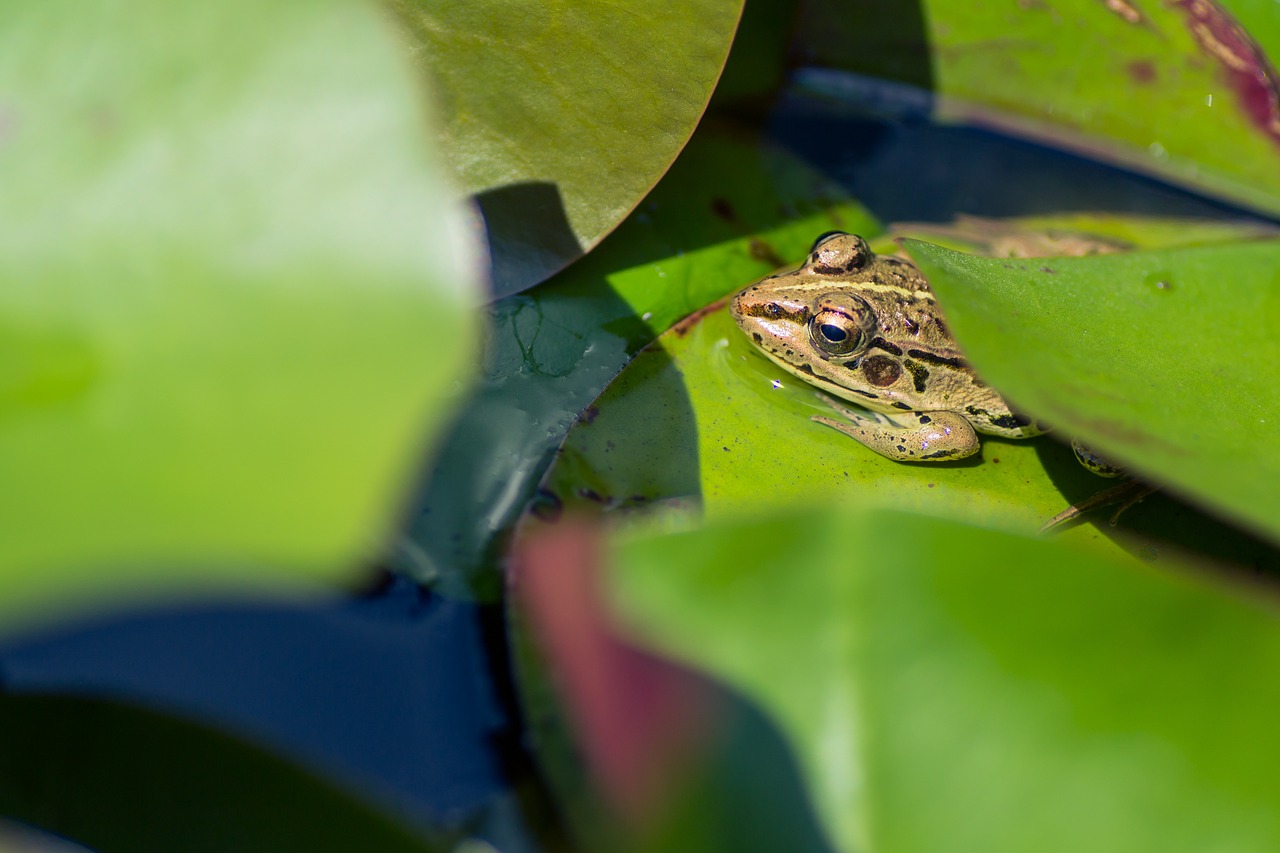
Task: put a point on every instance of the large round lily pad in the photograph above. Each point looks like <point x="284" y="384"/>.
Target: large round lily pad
<point x="236" y="298"/>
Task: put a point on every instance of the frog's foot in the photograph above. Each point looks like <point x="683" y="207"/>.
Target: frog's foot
<point x="1096" y="463"/>
<point x="1126" y="494"/>
<point x="909" y="436"/>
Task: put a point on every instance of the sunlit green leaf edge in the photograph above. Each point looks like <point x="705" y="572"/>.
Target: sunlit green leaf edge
<point x="1159" y="359"/>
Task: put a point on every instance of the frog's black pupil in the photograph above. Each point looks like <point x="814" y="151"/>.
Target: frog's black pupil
<point x="823" y="236"/>
<point x="835" y="334"/>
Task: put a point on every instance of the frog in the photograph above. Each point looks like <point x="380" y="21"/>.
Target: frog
<point x="866" y="328"/>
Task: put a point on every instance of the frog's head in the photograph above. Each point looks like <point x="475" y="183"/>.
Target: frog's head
<point x="819" y="321"/>
<point x="811" y="314"/>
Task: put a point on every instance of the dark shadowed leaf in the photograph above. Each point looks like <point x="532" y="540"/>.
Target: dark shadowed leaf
<point x="119" y="778"/>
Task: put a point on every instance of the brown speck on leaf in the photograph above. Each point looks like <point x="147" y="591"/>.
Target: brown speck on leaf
<point x="1142" y="71"/>
<point x="589" y="414"/>
<point x="1049" y="270"/>
<point x="721" y="208"/>
<point x="763" y="251"/>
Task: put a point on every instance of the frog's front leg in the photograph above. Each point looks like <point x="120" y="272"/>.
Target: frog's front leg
<point x="909" y="436"/>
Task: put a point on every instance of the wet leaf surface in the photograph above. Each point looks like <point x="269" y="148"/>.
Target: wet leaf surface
<point x="553" y="350"/>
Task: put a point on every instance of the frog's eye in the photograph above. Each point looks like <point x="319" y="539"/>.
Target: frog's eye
<point x="837" y="333"/>
<point x="823" y="237"/>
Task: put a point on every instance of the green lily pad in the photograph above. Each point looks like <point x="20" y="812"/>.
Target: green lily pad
<point x="560" y="116"/>
<point x="1183" y="90"/>
<point x="554" y="349"/>
<point x="951" y="687"/>
<point x="236" y="300"/>
<point x="1162" y="360"/>
<point x="701" y="423"/>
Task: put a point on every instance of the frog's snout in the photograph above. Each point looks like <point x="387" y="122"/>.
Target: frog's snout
<point x="735" y="307"/>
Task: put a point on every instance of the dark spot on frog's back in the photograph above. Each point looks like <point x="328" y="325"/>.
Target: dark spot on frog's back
<point x="757" y="338"/>
<point x="1010" y="421"/>
<point x="919" y="375"/>
<point x="933" y="358"/>
<point x="804" y="368"/>
<point x="881" y="370"/>
<point x="881" y="343"/>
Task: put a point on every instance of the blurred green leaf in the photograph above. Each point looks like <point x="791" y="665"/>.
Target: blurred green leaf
<point x="1161" y="360"/>
<point x="1184" y="90"/>
<point x="952" y="688"/>
<point x="236" y="299"/>
<point x="700" y="233"/>
<point x="644" y="754"/>
<point x="560" y="116"/>
<point x="119" y="778"/>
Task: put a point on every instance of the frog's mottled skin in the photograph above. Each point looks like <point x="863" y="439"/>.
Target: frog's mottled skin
<point x="867" y="328"/>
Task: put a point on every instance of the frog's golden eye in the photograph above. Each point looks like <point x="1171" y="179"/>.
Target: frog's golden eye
<point x="836" y="333"/>
<point x="841" y="324"/>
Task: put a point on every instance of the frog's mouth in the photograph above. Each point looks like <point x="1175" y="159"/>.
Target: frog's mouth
<point x="767" y="339"/>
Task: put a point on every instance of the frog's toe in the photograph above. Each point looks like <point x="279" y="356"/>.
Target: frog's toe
<point x="1093" y="461"/>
